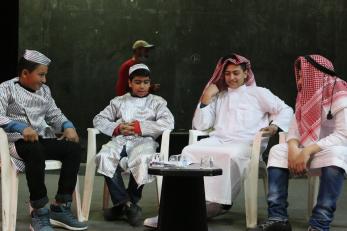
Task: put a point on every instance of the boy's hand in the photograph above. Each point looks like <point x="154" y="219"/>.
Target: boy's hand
<point x="70" y="134"/>
<point x="211" y="91"/>
<point x="293" y="153"/>
<point x="155" y="87"/>
<point x="300" y="163"/>
<point x="304" y="156"/>
<point x="30" y="134"/>
<point x="271" y="129"/>
<point x="127" y="129"/>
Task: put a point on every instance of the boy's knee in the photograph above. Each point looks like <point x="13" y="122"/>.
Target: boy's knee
<point x="74" y="150"/>
<point x="32" y="152"/>
<point x="332" y="171"/>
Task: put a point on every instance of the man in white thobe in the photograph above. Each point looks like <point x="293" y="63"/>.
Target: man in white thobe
<point x="236" y="110"/>
<point x="235" y="113"/>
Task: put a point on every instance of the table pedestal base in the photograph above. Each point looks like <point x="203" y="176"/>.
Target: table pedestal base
<point x="182" y="204"/>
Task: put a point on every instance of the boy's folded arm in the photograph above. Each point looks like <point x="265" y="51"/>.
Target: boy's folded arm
<point x="106" y="121"/>
<point x="105" y="124"/>
<point x="154" y="128"/>
<point x="165" y="121"/>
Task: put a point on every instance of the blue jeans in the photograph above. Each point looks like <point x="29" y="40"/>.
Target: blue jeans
<point x="331" y="181"/>
<point x="119" y="194"/>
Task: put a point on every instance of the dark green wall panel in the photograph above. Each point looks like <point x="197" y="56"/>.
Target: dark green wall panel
<point x="88" y="40"/>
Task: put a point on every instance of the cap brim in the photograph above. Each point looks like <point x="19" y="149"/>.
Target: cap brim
<point x="149" y="46"/>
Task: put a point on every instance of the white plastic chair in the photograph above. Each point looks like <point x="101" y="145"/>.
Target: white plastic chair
<point x="91" y="166"/>
<point x="313" y="184"/>
<point x="9" y="185"/>
<point x="250" y="181"/>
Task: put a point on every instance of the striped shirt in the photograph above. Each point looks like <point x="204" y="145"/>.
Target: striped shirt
<point x="20" y="108"/>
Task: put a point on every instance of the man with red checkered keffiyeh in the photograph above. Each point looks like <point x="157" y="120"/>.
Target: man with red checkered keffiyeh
<point x="316" y="142"/>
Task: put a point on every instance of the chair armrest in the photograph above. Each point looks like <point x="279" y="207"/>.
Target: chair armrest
<point x="256" y="152"/>
<point x="194" y="134"/>
<point x="91" y="148"/>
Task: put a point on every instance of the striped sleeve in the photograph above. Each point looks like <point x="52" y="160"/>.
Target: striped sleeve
<point x="54" y="116"/>
<point x="164" y="121"/>
<point x="105" y="121"/>
<point x="4" y="97"/>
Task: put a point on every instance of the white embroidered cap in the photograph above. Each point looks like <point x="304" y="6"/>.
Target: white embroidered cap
<point x="138" y="66"/>
<point x="36" y="57"/>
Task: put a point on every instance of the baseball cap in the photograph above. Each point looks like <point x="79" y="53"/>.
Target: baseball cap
<point x="142" y="43"/>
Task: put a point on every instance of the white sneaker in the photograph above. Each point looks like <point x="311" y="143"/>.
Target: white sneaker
<point x="151" y="222"/>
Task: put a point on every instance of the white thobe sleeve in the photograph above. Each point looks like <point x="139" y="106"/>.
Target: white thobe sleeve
<point x="339" y="136"/>
<point x="105" y="121"/>
<point x="205" y="117"/>
<point x="279" y="113"/>
<point x="293" y="131"/>
<point x="164" y="121"/>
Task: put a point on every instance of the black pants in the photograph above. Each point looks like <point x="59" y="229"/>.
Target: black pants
<point x="34" y="155"/>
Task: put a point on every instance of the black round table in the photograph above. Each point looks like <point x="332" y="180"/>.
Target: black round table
<point x="182" y="200"/>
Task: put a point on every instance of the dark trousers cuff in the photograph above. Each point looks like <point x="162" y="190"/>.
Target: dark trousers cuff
<point x="40" y="203"/>
<point x="63" y="198"/>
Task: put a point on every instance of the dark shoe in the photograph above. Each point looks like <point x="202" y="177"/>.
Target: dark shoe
<point x="273" y="225"/>
<point x="61" y="216"/>
<point x="133" y="214"/>
<point x="114" y="213"/>
<point x="40" y="220"/>
<point x="215" y="209"/>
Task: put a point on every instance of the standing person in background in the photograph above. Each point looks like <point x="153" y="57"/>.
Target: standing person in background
<point x="141" y="51"/>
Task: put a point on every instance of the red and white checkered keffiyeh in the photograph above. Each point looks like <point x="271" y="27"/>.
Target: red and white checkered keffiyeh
<point x="314" y="96"/>
<point x="218" y="75"/>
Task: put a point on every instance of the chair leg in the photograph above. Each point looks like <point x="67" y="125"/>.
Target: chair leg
<point x="159" y="180"/>
<point x="9" y="187"/>
<point x="88" y="188"/>
<point x="77" y="201"/>
<point x="313" y="187"/>
<point x="251" y="201"/>
<point x="106" y="196"/>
